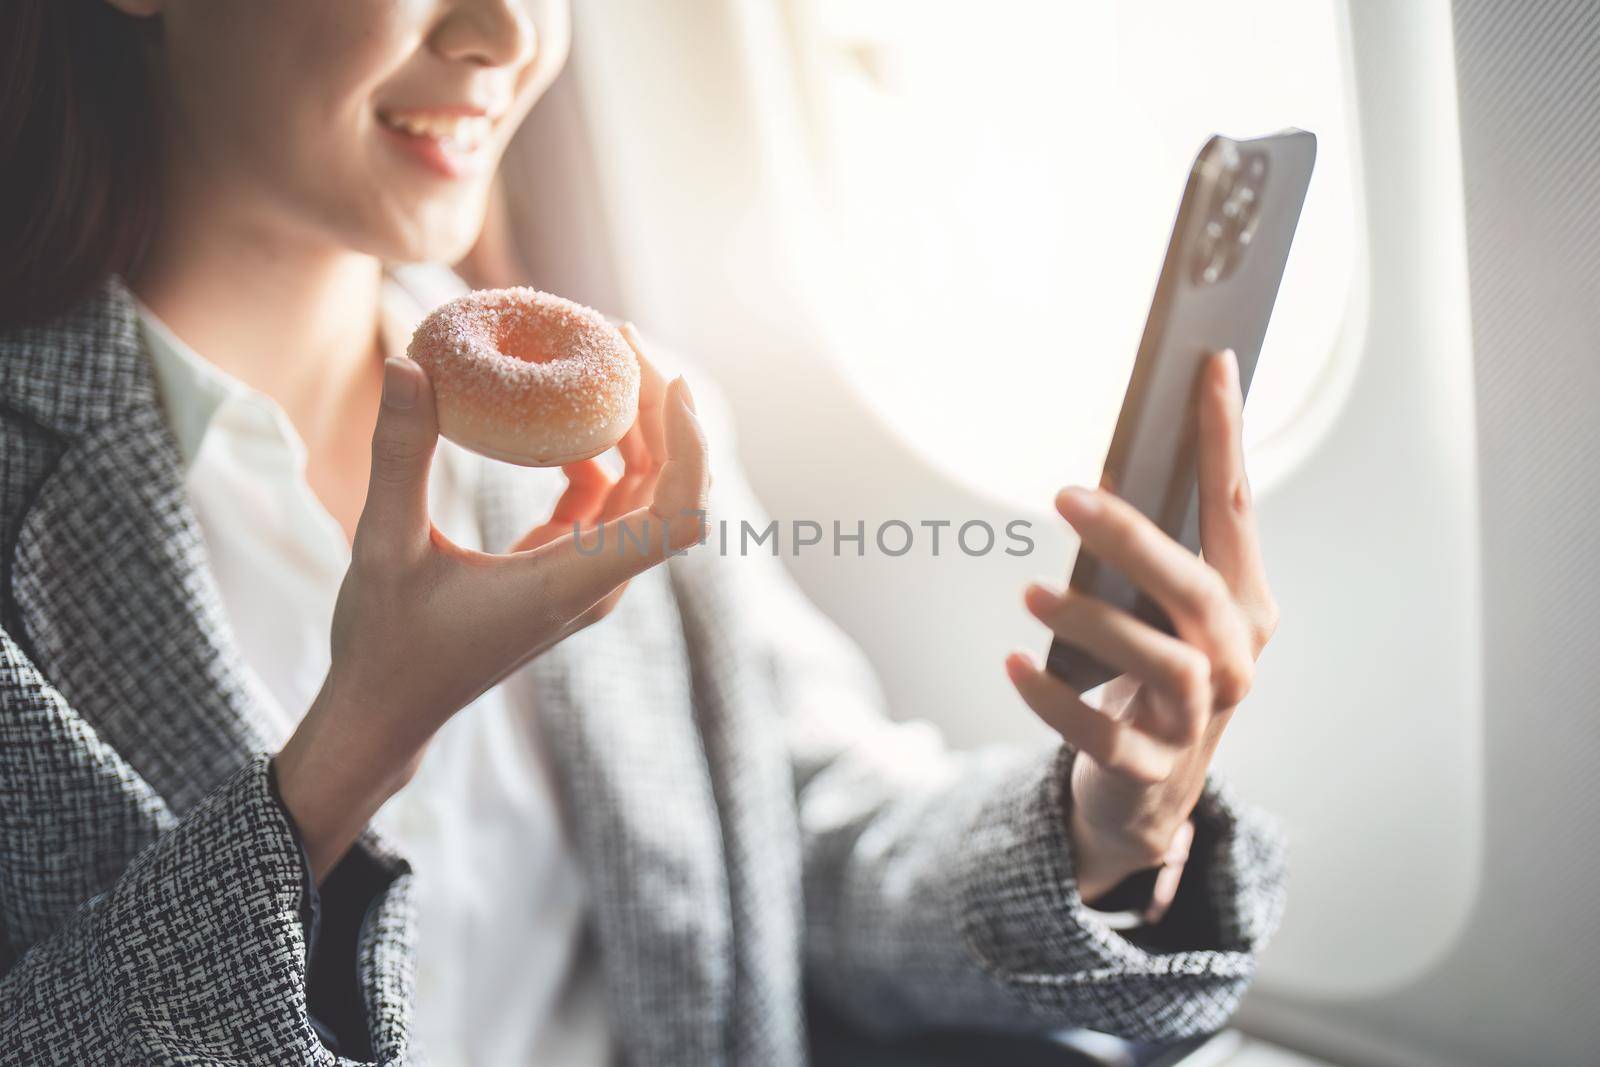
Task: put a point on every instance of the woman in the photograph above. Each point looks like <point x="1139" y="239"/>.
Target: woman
<point x="644" y="840"/>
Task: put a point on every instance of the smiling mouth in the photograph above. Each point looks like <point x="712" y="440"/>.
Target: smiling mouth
<point x="464" y="133"/>
<point x="451" y="141"/>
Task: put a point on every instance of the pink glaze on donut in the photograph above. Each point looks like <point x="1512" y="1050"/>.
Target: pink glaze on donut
<point x="528" y="377"/>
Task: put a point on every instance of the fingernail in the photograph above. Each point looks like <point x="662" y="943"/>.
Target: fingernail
<point x="1076" y="502"/>
<point x="399" y="386"/>
<point x="1039" y="598"/>
<point x="683" y="391"/>
<point x="1230" y="366"/>
<point x="631" y="335"/>
<point x="1019" y="664"/>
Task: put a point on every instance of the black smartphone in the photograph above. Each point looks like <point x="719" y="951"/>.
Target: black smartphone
<point x="1217" y="287"/>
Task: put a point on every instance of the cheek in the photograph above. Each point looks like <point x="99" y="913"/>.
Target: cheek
<point x="254" y="76"/>
<point x="274" y="102"/>
<point x="323" y="99"/>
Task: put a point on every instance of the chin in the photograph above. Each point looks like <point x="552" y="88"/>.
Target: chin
<point x="431" y="236"/>
<point x="446" y="248"/>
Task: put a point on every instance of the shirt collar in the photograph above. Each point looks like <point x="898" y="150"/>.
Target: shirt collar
<point x="191" y="389"/>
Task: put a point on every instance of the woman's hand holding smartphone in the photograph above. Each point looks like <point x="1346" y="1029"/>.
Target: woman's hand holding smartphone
<point x="423" y="626"/>
<point x="1143" y="753"/>
<point x="1171" y="636"/>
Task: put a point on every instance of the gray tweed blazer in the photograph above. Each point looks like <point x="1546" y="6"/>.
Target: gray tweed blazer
<point x="753" y="828"/>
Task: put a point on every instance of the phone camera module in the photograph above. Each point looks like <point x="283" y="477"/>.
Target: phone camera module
<point x="1232" y="216"/>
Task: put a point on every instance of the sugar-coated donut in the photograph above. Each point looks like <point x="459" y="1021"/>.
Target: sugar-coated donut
<point x="527" y="377"/>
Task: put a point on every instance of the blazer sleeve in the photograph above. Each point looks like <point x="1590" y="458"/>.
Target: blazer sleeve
<point x="939" y="886"/>
<point x="191" y="951"/>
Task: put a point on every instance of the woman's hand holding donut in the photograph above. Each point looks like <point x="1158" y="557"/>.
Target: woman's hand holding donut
<point x="1143" y="755"/>
<point x="424" y="626"/>
<point x="593" y="497"/>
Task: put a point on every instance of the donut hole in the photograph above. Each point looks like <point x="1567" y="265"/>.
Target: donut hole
<point x="524" y="340"/>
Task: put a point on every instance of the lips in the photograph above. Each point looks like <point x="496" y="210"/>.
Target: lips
<point x="451" y="140"/>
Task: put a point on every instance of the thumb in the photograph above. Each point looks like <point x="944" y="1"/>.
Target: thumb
<point x="395" y="518"/>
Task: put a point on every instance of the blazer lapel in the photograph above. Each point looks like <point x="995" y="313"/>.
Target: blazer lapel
<point x="616" y="706"/>
<point x="117" y="605"/>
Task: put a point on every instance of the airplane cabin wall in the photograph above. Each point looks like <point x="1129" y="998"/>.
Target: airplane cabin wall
<point x="1463" y="635"/>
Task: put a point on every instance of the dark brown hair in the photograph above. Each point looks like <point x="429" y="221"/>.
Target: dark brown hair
<point x="78" y="151"/>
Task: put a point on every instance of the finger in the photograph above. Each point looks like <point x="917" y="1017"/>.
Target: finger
<point x="1228" y="534"/>
<point x="572" y="575"/>
<point x="681" y="488"/>
<point x="640" y="474"/>
<point x="395" y="516"/>
<point x="631" y="491"/>
<point x="588" y="484"/>
<point x="1114" y="745"/>
<point x="649" y="429"/>
<point x="1165" y="889"/>
<point x="1136" y="649"/>
<point x="1113" y="530"/>
<point x="674" y="516"/>
<point x="580" y="504"/>
<point x="635" y="448"/>
<point x="601" y="609"/>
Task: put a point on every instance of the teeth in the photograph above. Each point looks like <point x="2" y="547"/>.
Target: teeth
<point x="462" y="132"/>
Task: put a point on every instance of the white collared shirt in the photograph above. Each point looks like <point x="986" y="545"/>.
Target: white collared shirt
<point x="505" y="974"/>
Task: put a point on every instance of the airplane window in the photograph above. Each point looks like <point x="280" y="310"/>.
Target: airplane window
<point x="1005" y="184"/>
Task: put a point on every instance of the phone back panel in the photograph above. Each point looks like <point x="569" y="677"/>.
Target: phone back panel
<point x="1217" y="289"/>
